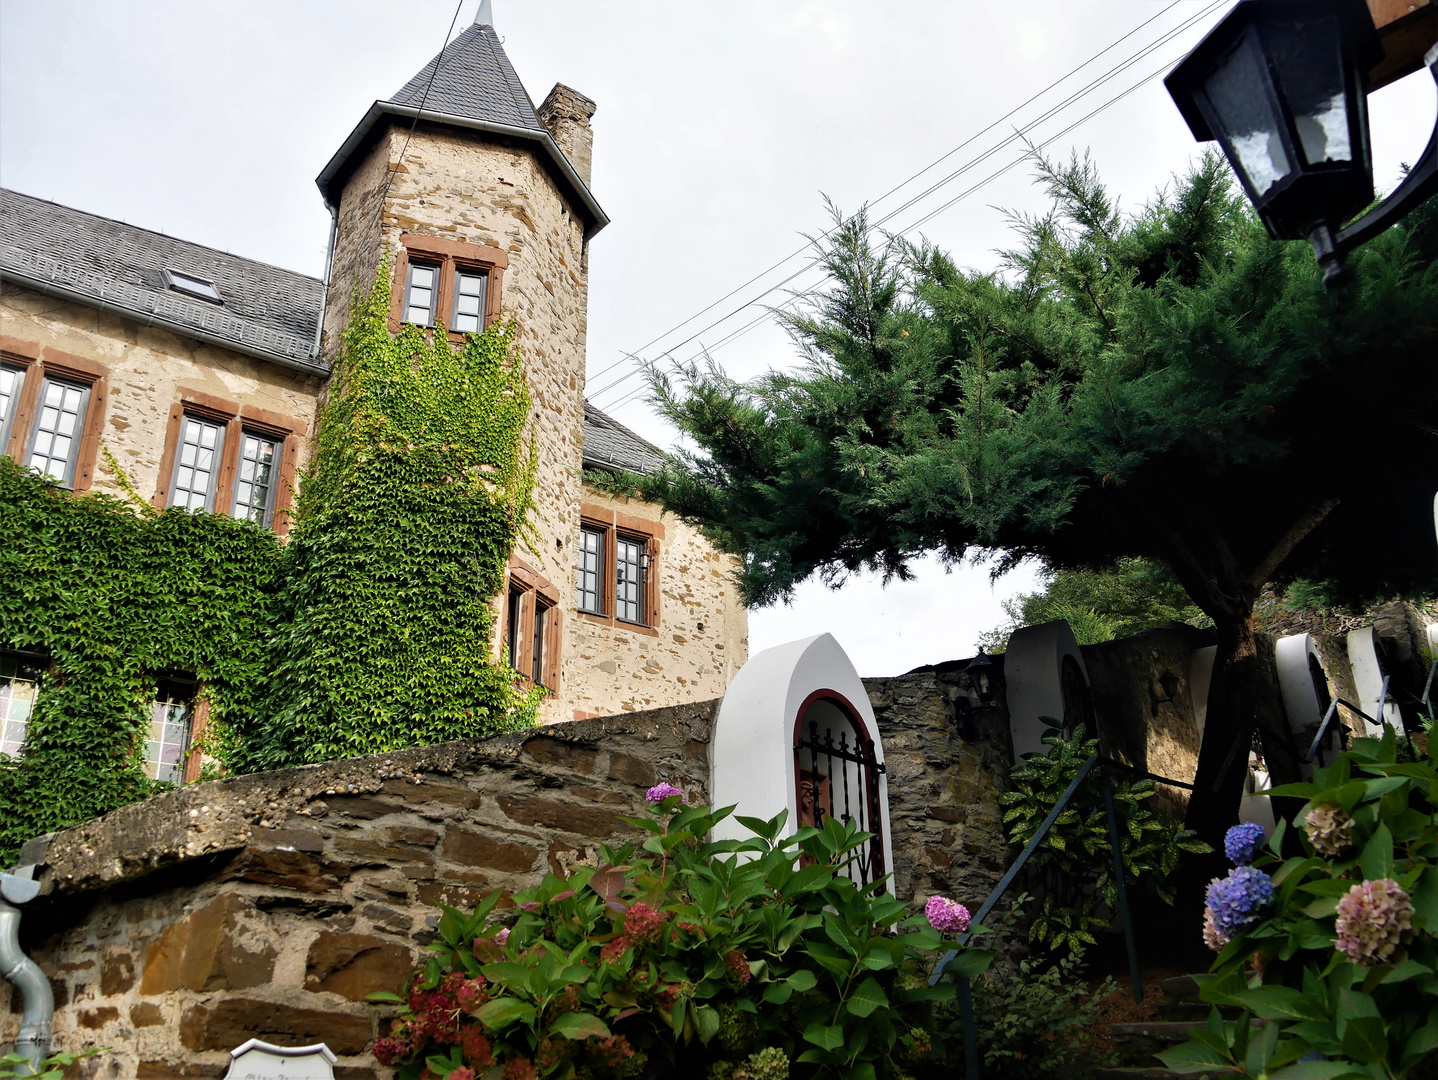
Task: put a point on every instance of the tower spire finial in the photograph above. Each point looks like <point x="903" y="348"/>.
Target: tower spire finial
<point x="484" y="16"/>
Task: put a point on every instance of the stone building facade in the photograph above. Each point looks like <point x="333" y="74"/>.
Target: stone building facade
<point x="481" y="202"/>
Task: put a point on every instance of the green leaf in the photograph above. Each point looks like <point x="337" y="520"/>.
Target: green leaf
<point x="1193" y="1057"/>
<point x="707" y="1021"/>
<point x="867" y="997"/>
<point x="1280" y="1003"/>
<point x="1377" y="857"/>
<point x="1316" y="1070"/>
<point x="501" y="1012"/>
<point x="970" y="963"/>
<point x="778" y="993"/>
<point x="802" y="979"/>
<point x="824" y="1036"/>
<point x="573" y="1025"/>
<point x="1365" y="1039"/>
<point x="383" y="995"/>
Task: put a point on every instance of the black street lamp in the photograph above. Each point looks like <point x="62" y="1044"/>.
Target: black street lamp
<point x="1283" y="86"/>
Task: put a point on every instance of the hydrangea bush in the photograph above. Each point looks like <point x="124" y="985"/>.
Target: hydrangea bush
<point x="728" y="960"/>
<point x="1328" y="936"/>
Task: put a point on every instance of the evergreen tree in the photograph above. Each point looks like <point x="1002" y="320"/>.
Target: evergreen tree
<point x="1172" y="385"/>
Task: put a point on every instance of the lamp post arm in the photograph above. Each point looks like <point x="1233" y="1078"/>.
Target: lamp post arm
<point x="1420" y="184"/>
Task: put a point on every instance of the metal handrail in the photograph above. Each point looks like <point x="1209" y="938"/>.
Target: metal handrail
<point x="1428" y="690"/>
<point x="1382" y="701"/>
<point x="965" y="995"/>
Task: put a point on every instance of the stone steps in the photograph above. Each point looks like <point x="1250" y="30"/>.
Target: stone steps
<point x="1138" y="1044"/>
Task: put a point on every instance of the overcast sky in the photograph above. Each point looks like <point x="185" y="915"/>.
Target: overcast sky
<point x="720" y="128"/>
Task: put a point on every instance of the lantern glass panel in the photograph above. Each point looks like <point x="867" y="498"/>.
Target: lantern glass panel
<point x="1237" y="91"/>
<point x="1308" y="60"/>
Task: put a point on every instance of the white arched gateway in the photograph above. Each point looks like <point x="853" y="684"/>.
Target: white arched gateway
<point x="796" y="732"/>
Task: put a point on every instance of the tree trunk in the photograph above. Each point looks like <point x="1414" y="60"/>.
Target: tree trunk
<point x="1228" y="731"/>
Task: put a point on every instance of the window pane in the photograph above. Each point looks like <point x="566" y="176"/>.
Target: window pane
<point x="419" y="294"/>
<point x="170" y="712"/>
<point x="254" y="487"/>
<point x="541" y="616"/>
<point x="511" y="641"/>
<point x="53" y="448"/>
<point x="197" y="463"/>
<point x="591" y="563"/>
<point x="629" y="580"/>
<point x="469" y="293"/>
<point x="18" y="676"/>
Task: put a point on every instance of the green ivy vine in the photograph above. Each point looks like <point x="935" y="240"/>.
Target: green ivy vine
<point x="369" y="630"/>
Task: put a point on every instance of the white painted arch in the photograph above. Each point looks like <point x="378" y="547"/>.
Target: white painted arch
<point x="752" y="752"/>
<point x="1368" y="681"/>
<point x="1295" y="657"/>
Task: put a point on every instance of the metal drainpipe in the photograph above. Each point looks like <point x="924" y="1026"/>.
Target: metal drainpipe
<point x="325" y="289"/>
<point x="22" y="972"/>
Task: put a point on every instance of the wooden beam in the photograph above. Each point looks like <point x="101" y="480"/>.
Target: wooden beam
<point x="1407" y="30"/>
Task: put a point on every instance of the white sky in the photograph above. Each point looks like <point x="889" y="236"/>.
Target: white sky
<point x="720" y="127"/>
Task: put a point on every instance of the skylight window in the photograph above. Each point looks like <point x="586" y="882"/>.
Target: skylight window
<point x="193" y="286"/>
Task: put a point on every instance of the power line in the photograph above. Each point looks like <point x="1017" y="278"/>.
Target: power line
<point x="424" y="99"/>
<point x="904" y="183"/>
<point x="1018" y="134"/>
<point x="885" y="195"/>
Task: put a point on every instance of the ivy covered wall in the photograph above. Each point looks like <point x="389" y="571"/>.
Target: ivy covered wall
<point x="369" y="630"/>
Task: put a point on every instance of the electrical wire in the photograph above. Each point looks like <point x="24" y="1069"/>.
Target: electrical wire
<point x="769" y="312"/>
<point x="1018" y="134"/>
<point x="424" y="100"/>
<point x="902" y="184"/>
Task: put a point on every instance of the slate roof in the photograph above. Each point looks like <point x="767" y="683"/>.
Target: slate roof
<point x="266" y="312"/>
<point x="475" y="80"/>
<point x="610" y="445"/>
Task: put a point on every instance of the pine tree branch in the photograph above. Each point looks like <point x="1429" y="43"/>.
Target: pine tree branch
<point x="1291" y="539"/>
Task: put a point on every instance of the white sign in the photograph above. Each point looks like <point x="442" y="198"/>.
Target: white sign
<point x="256" y="1060"/>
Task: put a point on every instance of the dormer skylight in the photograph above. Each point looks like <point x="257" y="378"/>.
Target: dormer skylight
<point x="193" y="286"/>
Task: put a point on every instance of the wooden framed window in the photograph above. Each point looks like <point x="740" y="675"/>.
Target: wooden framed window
<point x="171" y="719"/>
<point x="19" y="679"/>
<point x="532" y="626"/>
<point x="439" y="279"/>
<point x="590" y="566"/>
<point x="617" y="568"/>
<point x="12" y="384"/>
<point x="52" y="405"/>
<point x="197" y="463"/>
<point x="230" y="459"/>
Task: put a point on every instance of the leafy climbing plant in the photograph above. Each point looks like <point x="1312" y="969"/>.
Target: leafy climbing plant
<point x="1071" y="872"/>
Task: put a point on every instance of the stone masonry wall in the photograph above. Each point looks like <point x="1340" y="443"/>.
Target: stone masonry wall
<point x="698" y="643"/>
<point x="148" y="367"/>
<point x="269" y="906"/>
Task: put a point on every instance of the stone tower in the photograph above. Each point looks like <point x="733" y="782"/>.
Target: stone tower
<point x="491" y="204"/>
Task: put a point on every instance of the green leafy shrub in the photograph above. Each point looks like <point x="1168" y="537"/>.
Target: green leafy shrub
<point x="112" y="596"/>
<point x="1333" y="949"/>
<point x="1072" y="870"/>
<point x="418" y="489"/>
<point x="17" y="1066"/>
<point x="1032" y="1021"/>
<point x="732" y="960"/>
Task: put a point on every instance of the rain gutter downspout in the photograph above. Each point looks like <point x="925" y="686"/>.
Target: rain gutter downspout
<point x="325" y="287"/>
<point x="33" y="1041"/>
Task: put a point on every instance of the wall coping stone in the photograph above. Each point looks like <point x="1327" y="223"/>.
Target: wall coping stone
<point x="217" y="816"/>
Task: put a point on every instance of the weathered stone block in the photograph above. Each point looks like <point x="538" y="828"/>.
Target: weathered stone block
<point x="117" y="973"/>
<point x="387" y="917"/>
<point x="584" y="820"/>
<point x="470" y="847"/>
<point x="215" y="948"/>
<point x="163" y="1070"/>
<point x="357" y="806"/>
<point x="456" y="795"/>
<point x="229" y="1022"/>
<point x="555" y="752"/>
<point x="354" y="965"/>
<point x="451" y="895"/>
<point x="298" y="839"/>
<point x="376" y="853"/>
<point x="146" y="1014"/>
<point x="418" y="835"/>
<point x="94" y="1019"/>
<point x="286" y="869"/>
<point x="631" y="770"/>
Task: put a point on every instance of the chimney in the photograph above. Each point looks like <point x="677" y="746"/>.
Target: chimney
<point x="566" y="114"/>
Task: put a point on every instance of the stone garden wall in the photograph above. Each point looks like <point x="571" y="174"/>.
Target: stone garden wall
<point x="269" y="906"/>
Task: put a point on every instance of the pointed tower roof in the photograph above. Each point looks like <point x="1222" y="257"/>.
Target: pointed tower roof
<point x="471" y="85"/>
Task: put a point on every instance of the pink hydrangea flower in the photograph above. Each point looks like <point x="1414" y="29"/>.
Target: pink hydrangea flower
<point x="659" y="792"/>
<point x="464" y="1072"/>
<point x="947" y="916"/>
<point x="501" y="937"/>
<point x="1213" y="937"/>
<point x="1373" y="920"/>
<point x="1329" y="829"/>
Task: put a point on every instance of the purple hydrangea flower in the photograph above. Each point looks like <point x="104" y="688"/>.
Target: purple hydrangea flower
<point x="946" y="915"/>
<point x="1237" y="899"/>
<point x="659" y="792"/>
<point x="1243" y="841"/>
